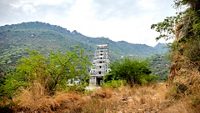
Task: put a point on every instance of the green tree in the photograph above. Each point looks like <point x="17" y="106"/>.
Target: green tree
<point x="51" y="71"/>
<point x="131" y="70"/>
<point x="182" y="26"/>
<point x="185" y="29"/>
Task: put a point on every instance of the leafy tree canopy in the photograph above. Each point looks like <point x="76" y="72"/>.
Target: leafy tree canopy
<point x="51" y="71"/>
<point x="185" y="29"/>
<point x="132" y="70"/>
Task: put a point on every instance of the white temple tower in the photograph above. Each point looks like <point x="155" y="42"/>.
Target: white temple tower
<point x="99" y="65"/>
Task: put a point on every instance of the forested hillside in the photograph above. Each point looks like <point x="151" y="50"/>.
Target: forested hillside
<point x="16" y="38"/>
<point x="46" y="37"/>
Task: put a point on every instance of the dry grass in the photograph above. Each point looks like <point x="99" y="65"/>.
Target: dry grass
<point x="36" y="100"/>
<point x="143" y="99"/>
<point x="102" y="93"/>
<point x="139" y="99"/>
<point x="178" y="107"/>
<point x="187" y="100"/>
<point x="127" y="100"/>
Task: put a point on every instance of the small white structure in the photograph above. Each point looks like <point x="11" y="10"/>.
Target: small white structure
<point x="99" y="65"/>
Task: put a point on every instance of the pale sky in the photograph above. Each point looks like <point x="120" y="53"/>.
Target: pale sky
<point x="127" y="20"/>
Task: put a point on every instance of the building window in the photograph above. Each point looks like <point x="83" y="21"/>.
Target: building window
<point x="99" y="72"/>
<point x="99" y="66"/>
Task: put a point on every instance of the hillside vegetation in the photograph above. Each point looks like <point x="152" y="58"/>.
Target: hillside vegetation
<point x="14" y="39"/>
<point x="185" y="51"/>
<point x="39" y="83"/>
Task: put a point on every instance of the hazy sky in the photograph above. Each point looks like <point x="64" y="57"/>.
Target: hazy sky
<point x="128" y="20"/>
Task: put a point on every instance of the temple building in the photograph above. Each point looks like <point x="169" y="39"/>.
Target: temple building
<point x="99" y="65"/>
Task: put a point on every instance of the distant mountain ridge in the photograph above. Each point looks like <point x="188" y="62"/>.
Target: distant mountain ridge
<point x="45" y="37"/>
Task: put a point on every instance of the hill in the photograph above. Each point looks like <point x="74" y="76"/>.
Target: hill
<point x="14" y="39"/>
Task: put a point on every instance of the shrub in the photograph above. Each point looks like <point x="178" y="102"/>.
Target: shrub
<point x="193" y="50"/>
<point x="11" y="84"/>
<point x="114" y="83"/>
<point x="52" y="71"/>
<point x="131" y="70"/>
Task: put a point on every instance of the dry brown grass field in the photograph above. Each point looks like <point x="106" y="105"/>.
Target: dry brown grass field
<point x="154" y="98"/>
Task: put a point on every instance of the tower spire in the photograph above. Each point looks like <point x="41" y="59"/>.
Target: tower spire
<point x="99" y="65"/>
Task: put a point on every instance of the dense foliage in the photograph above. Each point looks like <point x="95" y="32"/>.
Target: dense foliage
<point x="131" y="70"/>
<point x="159" y="65"/>
<point x="51" y="71"/>
<point x="114" y="83"/>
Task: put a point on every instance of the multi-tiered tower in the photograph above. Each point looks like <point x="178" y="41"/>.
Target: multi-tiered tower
<point x="99" y="65"/>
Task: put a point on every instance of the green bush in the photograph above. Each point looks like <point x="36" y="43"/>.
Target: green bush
<point x="193" y="50"/>
<point x="131" y="70"/>
<point x="51" y="71"/>
<point x="76" y="88"/>
<point x="114" y="83"/>
<point x="11" y="84"/>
